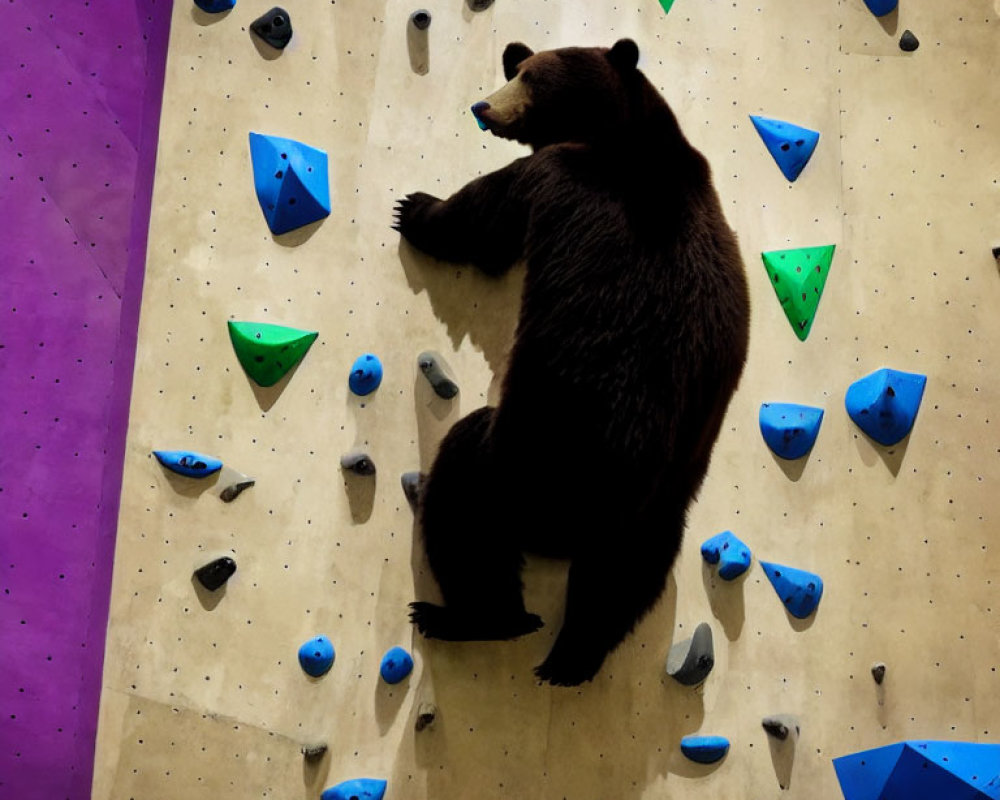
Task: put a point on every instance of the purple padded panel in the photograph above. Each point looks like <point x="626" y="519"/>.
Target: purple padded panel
<point x="80" y="88"/>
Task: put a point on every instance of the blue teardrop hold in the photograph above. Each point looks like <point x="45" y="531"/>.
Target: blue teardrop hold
<point x="316" y="656"/>
<point x="885" y="404"/>
<point x="705" y="749"/>
<point x="799" y="590"/>
<point x="366" y="374"/>
<point x="726" y="550"/>
<point x="790" y="430"/>
<point x="356" y="789"/>
<point x="791" y="146"/>
<point x="184" y="462"/>
<point x="215" y="6"/>
<point x="396" y="665"/>
<point x="881" y="7"/>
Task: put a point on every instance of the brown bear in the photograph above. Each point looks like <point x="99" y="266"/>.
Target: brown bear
<point x="631" y="340"/>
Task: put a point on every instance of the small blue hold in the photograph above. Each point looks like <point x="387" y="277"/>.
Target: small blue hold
<point x="356" y="789"/>
<point x="799" y="590"/>
<point x="366" y="374"/>
<point x="316" y="656"/>
<point x="705" y="749"/>
<point x="215" y="6"/>
<point x="790" y="145"/>
<point x="885" y="404"/>
<point x="790" y="430"/>
<point x="183" y="462"/>
<point x="732" y="555"/>
<point x="396" y="665"/>
<point x="881" y="7"/>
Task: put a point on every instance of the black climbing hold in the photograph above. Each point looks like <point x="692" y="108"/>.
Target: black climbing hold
<point x="689" y="662"/>
<point x="412" y="483"/>
<point x="274" y="27"/>
<point x="421" y="19"/>
<point x="313" y="752"/>
<point x="996" y="253"/>
<point x="234" y="490"/>
<point x="216" y="573"/>
<point x="480" y="5"/>
<point x="433" y="368"/>
<point x="878" y="672"/>
<point x="780" y="726"/>
<point x="426" y="714"/>
<point x="908" y="41"/>
<point x="358" y="462"/>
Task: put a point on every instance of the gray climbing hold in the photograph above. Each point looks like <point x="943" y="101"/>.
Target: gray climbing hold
<point x="421" y="19"/>
<point x="878" y="672"/>
<point x="780" y="726"/>
<point x="433" y="368"/>
<point x="234" y="490"/>
<point x="908" y="42"/>
<point x="426" y="714"/>
<point x="215" y="573"/>
<point x="689" y="662"/>
<point x="313" y="752"/>
<point x="358" y="462"/>
<point x="412" y="483"/>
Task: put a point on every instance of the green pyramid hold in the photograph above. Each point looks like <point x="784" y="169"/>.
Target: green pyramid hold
<point x="267" y="352"/>
<point x="798" y="277"/>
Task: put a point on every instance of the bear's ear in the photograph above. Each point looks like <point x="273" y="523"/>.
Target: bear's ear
<point x="513" y="55"/>
<point x="624" y="55"/>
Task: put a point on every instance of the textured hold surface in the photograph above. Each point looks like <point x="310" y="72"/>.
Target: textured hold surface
<point x="215" y="573"/>
<point x="881" y="7"/>
<point x="316" y="656"/>
<point x="356" y="789"/>
<point x="780" y="726"/>
<point x="215" y="6"/>
<point x="183" y="462"/>
<point x="421" y="19"/>
<point x="433" y="368"/>
<point x="267" y="352"/>
<point x="358" y="462"/>
<point x="291" y="180"/>
<point x="274" y="27"/>
<point x="705" y="749"/>
<point x="731" y="554"/>
<point x="426" y="714"/>
<point x="908" y="42"/>
<point x="234" y="490"/>
<point x="790" y="430"/>
<point x="396" y="665"/>
<point x="790" y="145"/>
<point x="799" y="590"/>
<point x="689" y="662"/>
<point x="314" y="752"/>
<point x="884" y="404"/>
<point x="798" y="277"/>
<point x="878" y="672"/>
<point x="366" y="374"/>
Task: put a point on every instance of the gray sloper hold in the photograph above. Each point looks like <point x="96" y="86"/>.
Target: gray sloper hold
<point x="313" y="752"/>
<point x="412" y="483"/>
<point x="433" y="368"/>
<point x="780" y="726"/>
<point x="689" y="662"/>
<point x="358" y="462"/>
<point x="234" y="490"/>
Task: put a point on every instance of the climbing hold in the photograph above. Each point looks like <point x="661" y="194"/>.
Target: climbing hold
<point x="267" y="352"/>
<point x="194" y="465"/>
<point x="705" y="749"/>
<point x="885" y="404"/>
<point x="908" y="42"/>
<point x="780" y="726"/>
<point x="732" y="555"/>
<point x="314" y="752"/>
<point x="316" y="656"/>
<point x="235" y="489"/>
<point x="412" y="483"/>
<point x="426" y="714"/>
<point x="396" y="665"/>
<point x="666" y="5"/>
<point x="434" y="370"/>
<point x="799" y="590"/>
<point x="790" y="145"/>
<point x="689" y="662"/>
<point x="881" y="7"/>
<point x="274" y="27"/>
<point x="921" y="770"/>
<point x="798" y="277"/>
<point x="215" y="573"/>
<point x="366" y="374"/>
<point x="996" y="253"/>
<point x="878" y="672"/>
<point x="421" y="19"/>
<point x="480" y="5"/>
<point x="790" y="430"/>
<point x="356" y="789"/>
<point x="215" y="6"/>
<point x="291" y="181"/>
<point x="358" y="462"/>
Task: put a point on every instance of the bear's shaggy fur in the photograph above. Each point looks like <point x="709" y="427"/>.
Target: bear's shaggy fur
<point x="631" y="340"/>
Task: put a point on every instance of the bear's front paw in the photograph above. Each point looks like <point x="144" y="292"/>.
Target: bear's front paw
<point x="411" y="215"/>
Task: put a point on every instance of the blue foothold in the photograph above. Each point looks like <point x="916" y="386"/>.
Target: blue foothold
<point x="366" y="374"/>
<point x="799" y="590"/>
<point x="396" y="665"/>
<point x="885" y="404"/>
<point x="881" y="7"/>
<point x="790" y="145"/>
<point x="356" y="789"/>
<point x="316" y="656"/>
<point x="183" y="462"/>
<point x="731" y="554"/>
<point x="705" y="749"/>
<point x="790" y="430"/>
<point x="215" y="6"/>
<point x="291" y="180"/>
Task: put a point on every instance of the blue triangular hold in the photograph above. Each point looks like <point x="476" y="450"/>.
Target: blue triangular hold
<point x="356" y="789"/>
<point x="881" y="7"/>
<point x="799" y="590"/>
<point x="732" y="555"/>
<point x="863" y="775"/>
<point x="705" y="749"/>
<point x="184" y="462"/>
<point x="790" y="145"/>
<point x="885" y="404"/>
<point x="292" y="182"/>
<point x="790" y="430"/>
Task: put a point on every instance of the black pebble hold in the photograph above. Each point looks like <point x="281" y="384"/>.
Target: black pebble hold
<point x="358" y="463"/>
<point x="421" y="19"/>
<point x="480" y="5"/>
<point x="274" y="27"/>
<point x="878" y="672"/>
<point x="996" y="253"/>
<point x="426" y="714"/>
<point x="216" y="573"/>
<point x="908" y="42"/>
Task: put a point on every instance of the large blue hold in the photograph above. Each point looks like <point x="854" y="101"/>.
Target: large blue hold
<point x="366" y="374"/>
<point x="790" y="145"/>
<point x="215" y="6"/>
<point x="292" y="182"/>
<point x="881" y="7"/>
<point x="183" y="462"/>
<point x="356" y="789"/>
<point x="396" y="665"/>
<point x="316" y="656"/>
<point x="790" y="430"/>
<point x="799" y="590"/>
<point x="885" y="404"/>
<point x="705" y="749"/>
<point x="732" y="555"/>
<point x="922" y="770"/>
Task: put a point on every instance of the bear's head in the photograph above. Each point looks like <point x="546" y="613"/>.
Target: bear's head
<point x="574" y="94"/>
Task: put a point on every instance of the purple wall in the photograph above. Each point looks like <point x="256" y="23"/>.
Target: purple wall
<point x="80" y="89"/>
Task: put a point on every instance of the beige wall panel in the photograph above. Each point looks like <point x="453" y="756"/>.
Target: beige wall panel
<point x="903" y="182"/>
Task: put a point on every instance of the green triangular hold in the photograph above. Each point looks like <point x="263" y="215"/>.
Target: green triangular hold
<point x="798" y="277"/>
<point x="666" y="5"/>
<point x="268" y="351"/>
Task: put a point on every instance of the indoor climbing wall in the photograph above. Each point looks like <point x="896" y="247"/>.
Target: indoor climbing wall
<point x="204" y="695"/>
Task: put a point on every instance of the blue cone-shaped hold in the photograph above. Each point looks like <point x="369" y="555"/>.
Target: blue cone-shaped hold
<point x="922" y="770"/>
<point x="705" y="749"/>
<point x="396" y="665"/>
<point x="799" y="590"/>
<point x="732" y="555"/>
<point x="885" y="404"/>
<point x="356" y="789"/>
<point x="790" y="430"/>
<point x="291" y="179"/>
<point x="881" y="7"/>
<point x="194" y="465"/>
<point x="366" y="374"/>
<point x="215" y="6"/>
<point x="316" y="656"/>
<point x="791" y="146"/>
